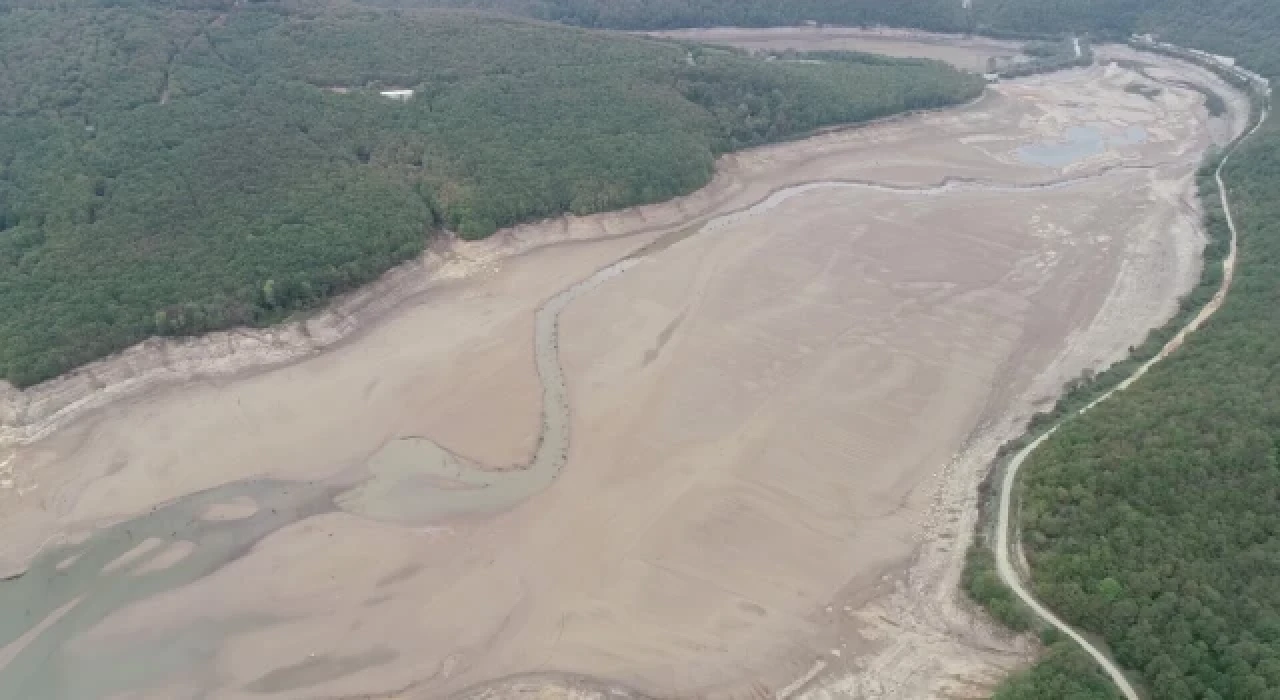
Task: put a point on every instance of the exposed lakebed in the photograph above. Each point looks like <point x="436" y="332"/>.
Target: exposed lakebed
<point x="414" y="480"/>
<point x="760" y="402"/>
<point x="1078" y="143"/>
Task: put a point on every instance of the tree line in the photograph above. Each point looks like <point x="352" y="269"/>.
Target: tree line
<point x="178" y="167"/>
<point x="1152" y="522"/>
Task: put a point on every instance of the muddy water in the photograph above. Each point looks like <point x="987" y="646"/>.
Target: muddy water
<point x="415" y="479"/>
<point x="69" y="589"/>
<point x="1080" y="142"/>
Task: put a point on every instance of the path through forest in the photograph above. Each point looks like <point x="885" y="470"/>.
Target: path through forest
<point x="1004" y="565"/>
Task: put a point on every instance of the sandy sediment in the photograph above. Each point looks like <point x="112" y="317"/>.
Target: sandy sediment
<point x="28" y="414"/>
<point x="778" y="427"/>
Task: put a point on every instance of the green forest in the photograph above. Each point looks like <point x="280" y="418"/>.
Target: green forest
<point x="1246" y="29"/>
<point x="174" y="168"/>
<point x="1064" y="673"/>
<point x="1152" y="522"/>
<point x="940" y="15"/>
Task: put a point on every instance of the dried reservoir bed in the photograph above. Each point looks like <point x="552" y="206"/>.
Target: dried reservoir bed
<point x="742" y="459"/>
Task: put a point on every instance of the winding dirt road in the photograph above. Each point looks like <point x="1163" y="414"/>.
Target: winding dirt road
<point x="1004" y="565"/>
<point x="778" y="428"/>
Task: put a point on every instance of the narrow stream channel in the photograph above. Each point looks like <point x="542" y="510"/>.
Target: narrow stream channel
<point x="68" y="589"/>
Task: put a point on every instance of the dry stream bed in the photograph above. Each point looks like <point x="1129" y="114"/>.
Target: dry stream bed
<point x="723" y="446"/>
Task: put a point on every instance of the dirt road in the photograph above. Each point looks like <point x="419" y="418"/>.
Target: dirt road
<point x="779" y="413"/>
<point x="1005" y="527"/>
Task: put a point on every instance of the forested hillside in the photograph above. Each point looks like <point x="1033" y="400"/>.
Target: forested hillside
<point x="1248" y="29"/>
<point x="940" y="15"/>
<point x="176" y="168"/>
<point x="1153" y="521"/>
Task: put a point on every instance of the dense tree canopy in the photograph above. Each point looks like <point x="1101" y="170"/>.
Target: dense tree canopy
<point x="182" y="167"/>
<point x="940" y="15"/>
<point x="1065" y="673"/>
<point x="1248" y="29"/>
<point x="1154" y="520"/>
<point x="178" y="167"/>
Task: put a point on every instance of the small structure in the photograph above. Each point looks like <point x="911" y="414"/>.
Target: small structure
<point x="402" y="95"/>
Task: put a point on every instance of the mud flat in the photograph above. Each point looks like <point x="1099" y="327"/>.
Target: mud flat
<point x="722" y="446"/>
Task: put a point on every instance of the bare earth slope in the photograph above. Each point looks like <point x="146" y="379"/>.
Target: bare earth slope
<point x="778" y="414"/>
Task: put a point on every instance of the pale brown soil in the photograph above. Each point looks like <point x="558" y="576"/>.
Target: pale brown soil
<point x="778" y="427"/>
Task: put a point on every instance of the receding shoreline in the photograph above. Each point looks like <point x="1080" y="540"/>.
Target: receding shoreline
<point x="606" y="348"/>
<point x="32" y="413"/>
